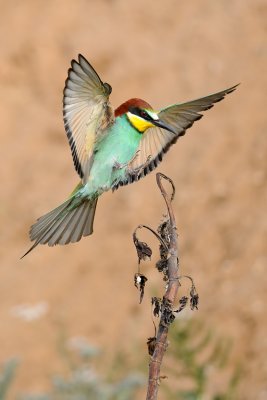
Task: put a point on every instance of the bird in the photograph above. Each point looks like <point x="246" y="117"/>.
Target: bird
<point x="110" y="148"/>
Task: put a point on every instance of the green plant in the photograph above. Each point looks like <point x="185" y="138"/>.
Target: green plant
<point x="84" y="382"/>
<point x="7" y="376"/>
<point x="196" y="357"/>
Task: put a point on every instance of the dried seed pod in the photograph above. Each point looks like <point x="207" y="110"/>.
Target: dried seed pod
<point x="139" y="283"/>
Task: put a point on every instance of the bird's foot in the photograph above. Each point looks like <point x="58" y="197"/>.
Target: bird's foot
<point x="118" y="165"/>
<point x="134" y="157"/>
<point x="140" y="169"/>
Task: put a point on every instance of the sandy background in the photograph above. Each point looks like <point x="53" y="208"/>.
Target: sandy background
<point x="163" y="52"/>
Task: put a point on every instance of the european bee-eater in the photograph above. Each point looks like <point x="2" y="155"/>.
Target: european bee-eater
<point x="109" y="148"/>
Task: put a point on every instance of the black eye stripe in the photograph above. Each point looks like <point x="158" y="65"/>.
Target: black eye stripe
<point x="140" y="113"/>
<point x="135" y="110"/>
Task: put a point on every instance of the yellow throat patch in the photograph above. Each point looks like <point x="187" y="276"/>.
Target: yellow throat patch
<point x="139" y="123"/>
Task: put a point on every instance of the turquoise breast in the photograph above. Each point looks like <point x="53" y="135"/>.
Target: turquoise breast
<point x="118" y="146"/>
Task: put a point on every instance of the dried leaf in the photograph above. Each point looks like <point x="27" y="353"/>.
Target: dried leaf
<point x="164" y="232"/>
<point x="194" y="298"/>
<point x="151" y="344"/>
<point x="183" y="302"/>
<point x="143" y="250"/>
<point x="156" y="302"/>
<point x="139" y="283"/>
<point x="169" y="317"/>
<point x="167" y="313"/>
<point x="161" y="265"/>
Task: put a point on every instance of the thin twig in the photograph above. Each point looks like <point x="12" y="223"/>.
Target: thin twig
<point x="154" y="233"/>
<point x="169" y="297"/>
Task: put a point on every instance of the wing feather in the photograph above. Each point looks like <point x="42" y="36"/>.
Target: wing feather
<point x="157" y="141"/>
<point x="86" y="112"/>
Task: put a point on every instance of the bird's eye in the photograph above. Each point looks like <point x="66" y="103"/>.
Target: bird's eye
<point x="143" y="114"/>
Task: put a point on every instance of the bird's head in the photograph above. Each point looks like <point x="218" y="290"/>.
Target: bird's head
<point x="141" y="115"/>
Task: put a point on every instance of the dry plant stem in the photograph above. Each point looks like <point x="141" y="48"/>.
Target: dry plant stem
<point x="169" y="297"/>
<point x="154" y="233"/>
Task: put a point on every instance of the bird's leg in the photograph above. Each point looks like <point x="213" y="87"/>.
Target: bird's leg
<point x="118" y="165"/>
<point x="140" y="168"/>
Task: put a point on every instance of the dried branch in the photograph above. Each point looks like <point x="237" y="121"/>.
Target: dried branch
<point x="169" y="298"/>
<point x="168" y="266"/>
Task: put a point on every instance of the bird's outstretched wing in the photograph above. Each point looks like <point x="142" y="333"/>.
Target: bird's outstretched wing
<point x="86" y="112"/>
<point x="157" y="141"/>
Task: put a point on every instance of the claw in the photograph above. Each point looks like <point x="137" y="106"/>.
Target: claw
<point x="117" y="165"/>
<point x="141" y="168"/>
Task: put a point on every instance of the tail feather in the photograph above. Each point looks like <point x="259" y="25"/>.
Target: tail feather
<point x="88" y="228"/>
<point x="66" y="223"/>
<point x="68" y="232"/>
<point x="78" y="229"/>
<point x="65" y="226"/>
<point x="62" y="222"/>
<point x="42" y="222"/>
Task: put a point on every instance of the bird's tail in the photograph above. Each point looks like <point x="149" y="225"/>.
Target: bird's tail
<point x="66" y="223"/>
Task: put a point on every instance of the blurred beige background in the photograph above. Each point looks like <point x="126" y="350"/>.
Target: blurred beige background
<point x="163" y="52"/>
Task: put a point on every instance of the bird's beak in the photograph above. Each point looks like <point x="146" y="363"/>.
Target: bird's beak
<point x="163" y="125"/>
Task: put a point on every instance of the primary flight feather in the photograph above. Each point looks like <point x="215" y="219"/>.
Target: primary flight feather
<point x="109" y="148"/>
